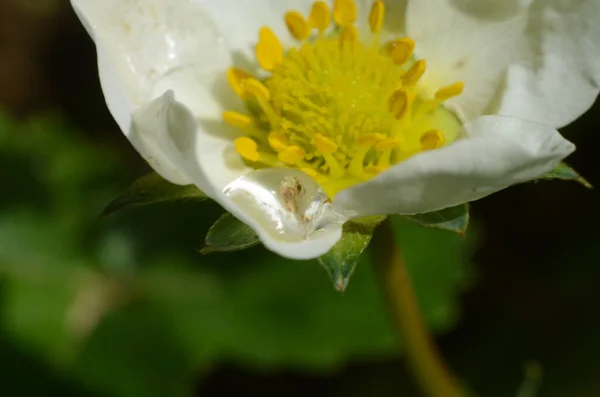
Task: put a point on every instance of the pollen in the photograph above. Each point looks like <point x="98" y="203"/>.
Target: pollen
<point x="376" y="16"/>
<point x="297" y="25"/>
<point x="238" y="120"/>
<point x="324" y="144"/>
<point x="344" y="12"/>
<point x="337" y="107"/>
<point x="235" y="77"/>
<point x="432" y="139"/>
<point x="450" y="91"/>
<point x="401" y="50"/>
<point x="320" y="16"/>
<point x="269" y="51"/>
<point x="291" y="155"/>
<point x="247" y="148"/>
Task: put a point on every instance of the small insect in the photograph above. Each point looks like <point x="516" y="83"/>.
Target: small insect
<point x="291" y="189"/>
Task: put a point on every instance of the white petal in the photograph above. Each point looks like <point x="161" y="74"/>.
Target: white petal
<point x="146" y="48"/>
<point x="497" y="152"/>
<point x="558" y="78"/>
<point x="472" y="41"/>
<point x="395" y="17"/>
<point x="158" y="131"/>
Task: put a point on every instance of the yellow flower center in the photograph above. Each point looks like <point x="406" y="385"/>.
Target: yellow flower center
<point x="337" y="108"/>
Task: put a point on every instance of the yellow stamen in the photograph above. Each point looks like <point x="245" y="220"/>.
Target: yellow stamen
<point x="368" y="140"/>
<point x="344" y="12"/>
<point x="376" y="16"/>
<point x="278" y="141"/>
<point x="387" y="144"/>
<point x="449" y="91"/>
<point x="291" y="155"/>
<point x="297" y="25"/>
<point x="414" y="73"/>
<point x="247" y="148"/>
<point x="401" y="50"/>
<point x="236" y="77"/>
<point x="432" y="139"/>
<point x="349" y="34"/>
<point x="324" y="144"/>
<point x="375" y="169"/>
<point x="238" y="120"/>
<point x="310" y="172"/>
<point x="269" y="51"/>
<point x="256" y="89"/>
<point x="320" y="16"/>
<point x="262" y="95"/>
<point x="399" y="103"/>
<point x="338" y="109"/>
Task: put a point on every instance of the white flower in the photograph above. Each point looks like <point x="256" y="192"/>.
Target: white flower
<point x="354" y="123"/>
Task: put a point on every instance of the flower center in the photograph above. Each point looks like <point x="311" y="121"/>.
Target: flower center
<point x="337" y="108"/>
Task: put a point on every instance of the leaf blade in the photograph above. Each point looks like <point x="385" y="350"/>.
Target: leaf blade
<point x="564" y="172"/>
<point x="229" y="234"/>
<point x="340" y="262"/>
<point x="152" y="189"/>
<point x="455" y="219"/>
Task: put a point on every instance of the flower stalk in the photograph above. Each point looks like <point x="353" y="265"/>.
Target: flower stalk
<point x="432" y="374"/>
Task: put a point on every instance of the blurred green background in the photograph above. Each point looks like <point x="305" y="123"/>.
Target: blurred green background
<point x="126" y="306"/>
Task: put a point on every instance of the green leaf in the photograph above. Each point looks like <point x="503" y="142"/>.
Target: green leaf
<point x="229" y="234"/>
<point x="342" y="259"/>
<point x="152" y="189"/>
<point x="263" y="310"/>
<point x="565" y="172"/>
<point x="454" y="219"/>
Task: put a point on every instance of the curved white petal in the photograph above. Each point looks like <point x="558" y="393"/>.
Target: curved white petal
<point x="497" y="152"/>
<point x="472" y="41"/>
<point x="558" y="78"/>
<point x="146" y="47"/>
<point x="156" y="129"/>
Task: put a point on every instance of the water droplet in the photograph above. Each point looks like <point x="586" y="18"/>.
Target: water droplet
<point x="285" y="202"/>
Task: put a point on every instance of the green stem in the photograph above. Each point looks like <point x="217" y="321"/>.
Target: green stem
<point x="430" y="371"/>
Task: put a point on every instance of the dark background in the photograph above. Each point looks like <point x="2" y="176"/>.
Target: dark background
<point x="126" y="306"/>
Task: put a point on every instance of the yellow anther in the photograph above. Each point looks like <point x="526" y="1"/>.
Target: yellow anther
<point x="449" y="91"/>
<point x="320" y="16"/>
<point x="401" y="50"/>
<point x="375" y="169"/>
<point x="278" y="141"/>
<point x="247" y="148"/>
<point x="269" y="51"/>
<point x="349" y="34"/>
<point x="414" y="73"/>
<point x="236" y="77"/>
<point x="238" y="120"/>
<point x="376" y="16"/>
<point x="399" y="103"/>
<point x="297" y="25"/>
<point x="368" y="140"/>
<point x="432" y="139"/>
<point x="291" y="155"/>
<point x="344" y="12"/>
<point x="386" y="144"/>
<point x="256" y="88"/>
<point x="324" y="144"/>
<point x="310" y="172"/>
